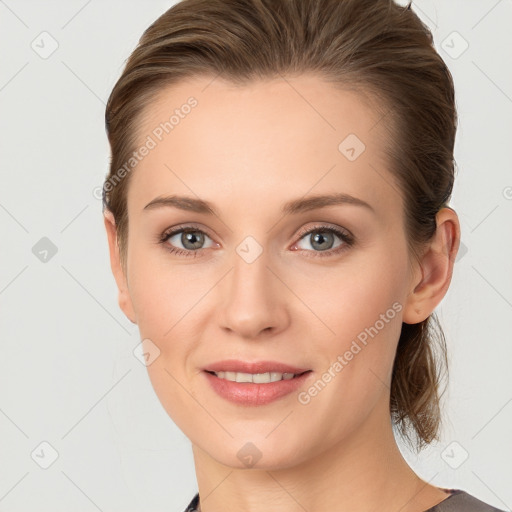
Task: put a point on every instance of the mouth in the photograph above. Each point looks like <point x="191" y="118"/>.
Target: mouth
<point x="256" y="378"/>
<point x="259" y="387"/>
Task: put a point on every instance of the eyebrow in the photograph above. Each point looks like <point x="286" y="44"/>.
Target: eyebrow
<point x="290" y="208"/>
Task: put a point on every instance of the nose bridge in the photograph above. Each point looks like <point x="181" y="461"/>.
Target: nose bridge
<point x="250" y="274"/>
<point x="253" y="302"/>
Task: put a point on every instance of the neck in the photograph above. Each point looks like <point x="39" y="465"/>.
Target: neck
<point x="362" y="472"/>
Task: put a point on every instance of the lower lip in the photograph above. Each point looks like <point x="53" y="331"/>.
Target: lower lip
<point x="250" y="393"/>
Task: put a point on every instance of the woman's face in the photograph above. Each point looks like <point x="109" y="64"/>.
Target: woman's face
<point x="248" y="283"/>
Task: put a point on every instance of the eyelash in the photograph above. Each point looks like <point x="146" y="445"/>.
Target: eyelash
<point x="348" y="240"/>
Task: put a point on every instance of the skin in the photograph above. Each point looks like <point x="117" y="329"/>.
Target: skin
<point x="249" y="149"/>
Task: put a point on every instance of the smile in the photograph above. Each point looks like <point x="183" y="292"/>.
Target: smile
<point x="258" y="378"/>
<point x="253" y="389"/>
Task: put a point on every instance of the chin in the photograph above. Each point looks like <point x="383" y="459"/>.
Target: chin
<point x="262" y="454"/>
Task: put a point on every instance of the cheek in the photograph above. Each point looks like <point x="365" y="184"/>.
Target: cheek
<point x="351" y="298"/>
<point x="362" y="309"/>
<point x="355" y="376"/>
<point x="158" y="290"/>
<point x="169" y="300"/>
<point x="165" y="300"/>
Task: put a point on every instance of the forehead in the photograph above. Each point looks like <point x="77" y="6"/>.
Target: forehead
<point x="273" y="139"/>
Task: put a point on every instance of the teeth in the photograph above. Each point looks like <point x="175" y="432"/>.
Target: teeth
<point x="258" y="378"/>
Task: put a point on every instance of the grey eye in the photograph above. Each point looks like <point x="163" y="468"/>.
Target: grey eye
<point x="191" y="240"/>
<point x="319" y="240"/>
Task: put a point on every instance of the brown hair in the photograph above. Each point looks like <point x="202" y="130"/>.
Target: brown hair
<point x="377" y="47"/>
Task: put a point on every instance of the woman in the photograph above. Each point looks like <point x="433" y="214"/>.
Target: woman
<point x="246" y="134"/>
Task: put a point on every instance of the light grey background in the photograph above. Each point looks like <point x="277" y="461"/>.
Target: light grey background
<point x="67" y="372"/>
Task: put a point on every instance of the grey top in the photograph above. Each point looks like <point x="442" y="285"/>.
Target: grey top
<point x="458" y="501"/>
<point x="461" y="501"/>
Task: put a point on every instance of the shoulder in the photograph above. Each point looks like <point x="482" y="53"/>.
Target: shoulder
<point x="461" y="501"/>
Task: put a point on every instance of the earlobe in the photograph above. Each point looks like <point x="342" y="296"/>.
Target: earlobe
<point x="124" y="299"/>
<point x="436" y="269"/>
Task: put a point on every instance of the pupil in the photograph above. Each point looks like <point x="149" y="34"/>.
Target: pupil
<point x="318" y="238"/>
<point x="192" y="238"/>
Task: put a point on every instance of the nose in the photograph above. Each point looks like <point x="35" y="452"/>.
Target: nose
<point x="254" y="299"/>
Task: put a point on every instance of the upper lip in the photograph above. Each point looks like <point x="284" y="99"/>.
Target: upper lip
<point x="233" y="365"/>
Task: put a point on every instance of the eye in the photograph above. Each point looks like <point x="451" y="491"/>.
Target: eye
<point x="190" y="237"/>
<point x="192" y="240"/>
<point x="322" y="238"/>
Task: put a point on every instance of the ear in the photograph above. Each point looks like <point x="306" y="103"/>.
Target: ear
<point x="436" y="268"/>
<point x="124" y="299"/>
